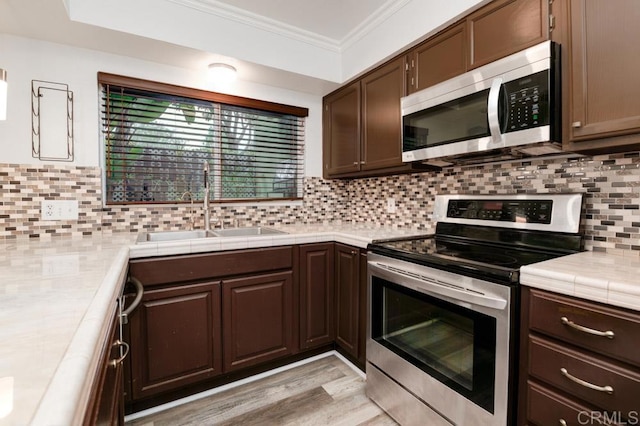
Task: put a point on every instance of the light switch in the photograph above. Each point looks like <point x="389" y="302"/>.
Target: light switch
<point x="391" y="205"/>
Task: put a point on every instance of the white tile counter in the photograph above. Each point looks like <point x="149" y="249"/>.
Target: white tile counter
<point x="56" y="298"/>
<point x="54" y="302"/>
<point x="594" y="276"/>
<point x="355" y="235"/>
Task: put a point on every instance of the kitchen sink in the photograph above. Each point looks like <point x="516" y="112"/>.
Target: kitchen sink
<point x="151" y="237"/>
<point x="246" y="232"/>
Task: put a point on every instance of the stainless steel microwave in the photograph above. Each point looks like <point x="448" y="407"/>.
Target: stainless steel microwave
<point x="506" y="109"/>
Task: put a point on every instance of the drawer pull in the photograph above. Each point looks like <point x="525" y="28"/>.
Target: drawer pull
<point x="114" y="362"/>
<point x="562" y="422"/>
<point x="566" y="321"/>
<point x="607" y="389"/>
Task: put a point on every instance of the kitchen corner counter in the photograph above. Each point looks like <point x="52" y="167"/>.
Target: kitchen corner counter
<point x="56" y="299"/>
<point x="595" y="276"/>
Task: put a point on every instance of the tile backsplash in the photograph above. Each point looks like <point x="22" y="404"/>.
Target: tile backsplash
<point x="611" y="184"/>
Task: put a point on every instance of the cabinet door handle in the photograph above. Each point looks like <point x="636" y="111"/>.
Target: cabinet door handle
<point x="114" y="362"/>
<point x="139" y="292"/>
<point x="355" y="163"/>
<point x="562" y="422"/>
<point x="566" y="321"/>
<point x="576" y="124"/>
<point x="606" y="389"/>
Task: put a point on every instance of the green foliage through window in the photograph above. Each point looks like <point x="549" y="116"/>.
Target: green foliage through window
<point x="155" y="147"/>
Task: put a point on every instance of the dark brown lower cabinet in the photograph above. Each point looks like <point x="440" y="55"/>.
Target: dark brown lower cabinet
<point x="347" y="280"/>
<point x="106" y="406"/>
<point x="577" y="365"/>
<point x="316" y="295"/>
<point x="363" y="309"/>
<point x="203" y="316"/>
<point x="175" y="338"/>
<point x="258" y="319"/>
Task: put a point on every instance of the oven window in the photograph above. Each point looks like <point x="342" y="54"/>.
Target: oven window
<point x="455" y="345"/>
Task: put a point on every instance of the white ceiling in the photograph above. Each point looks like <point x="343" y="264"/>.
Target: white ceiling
<point x="328" y="21"/>
<point x="295" y="44"/>
<point x="333" y="19"/>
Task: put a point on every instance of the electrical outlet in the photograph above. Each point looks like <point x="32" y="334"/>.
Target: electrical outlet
<point x="391" y="205"/>
<point x="59" y="210"/>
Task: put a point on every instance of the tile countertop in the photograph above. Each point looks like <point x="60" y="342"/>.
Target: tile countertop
<point x="594" y="276"/>
<point x="56" y="298"/>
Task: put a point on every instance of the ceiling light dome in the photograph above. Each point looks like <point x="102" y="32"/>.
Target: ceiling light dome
<point x="222" y="73"/>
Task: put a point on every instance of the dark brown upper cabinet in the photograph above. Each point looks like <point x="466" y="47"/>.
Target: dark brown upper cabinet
<point x="601" y="67"/>
<point x="341" y="131"/>
<point x="362" y="123"/>
<point x="438" y="59"/>
<point x="381" y="120"/>
<point x="362" y="127"/>
<point x="504" y="27"/>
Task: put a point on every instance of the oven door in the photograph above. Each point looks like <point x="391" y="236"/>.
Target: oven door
<point x="442" y="337"/>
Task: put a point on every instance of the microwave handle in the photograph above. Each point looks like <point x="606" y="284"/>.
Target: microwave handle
<point x="492" y="110"/>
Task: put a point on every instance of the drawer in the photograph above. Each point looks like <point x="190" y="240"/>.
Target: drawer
<point x="175" y="269"/>
<point x="548" y="359"/>
<point x="581" y="320"/>
<point x="546" y="407"/>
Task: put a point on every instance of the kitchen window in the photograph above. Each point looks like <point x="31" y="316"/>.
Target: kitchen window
<point x="157" y="137"/>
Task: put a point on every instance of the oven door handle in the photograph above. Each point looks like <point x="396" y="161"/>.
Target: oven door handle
<point x="463" y="296"/>
<point x="434" y="288"/>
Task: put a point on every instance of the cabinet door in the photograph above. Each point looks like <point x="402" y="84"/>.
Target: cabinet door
<point x="316" y="295"/>
<point x="504" y="27"/>
<point x="604" y="69"/>
<point x="258" y="313"/>
<point x="363" y="314"/>
<point x="176" y="339"/>
<point x="381" y="116"/>
<point x="341" y="131"/>
<point x="106" y="397"/>
<point x="438" y="59"/>
<point x="347" y="276"/>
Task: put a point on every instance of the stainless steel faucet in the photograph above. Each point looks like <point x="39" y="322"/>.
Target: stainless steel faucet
<point x="205" y="205"/>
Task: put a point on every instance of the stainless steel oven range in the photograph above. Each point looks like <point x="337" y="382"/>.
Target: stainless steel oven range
<point x="442" y="337"/>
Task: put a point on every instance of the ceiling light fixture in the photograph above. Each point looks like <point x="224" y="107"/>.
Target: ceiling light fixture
<point x="222" y="73"/>
<point x="3" y="94"/>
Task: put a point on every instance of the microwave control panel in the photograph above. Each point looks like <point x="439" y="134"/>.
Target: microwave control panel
<point x="522" y="211"/>
<point x="527" y="102"/>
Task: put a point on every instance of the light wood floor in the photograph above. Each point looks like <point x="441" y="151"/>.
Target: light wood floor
<point x="323" y="392"/>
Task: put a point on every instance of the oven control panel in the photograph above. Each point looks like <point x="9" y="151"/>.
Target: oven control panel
<point x="518" y="211"/>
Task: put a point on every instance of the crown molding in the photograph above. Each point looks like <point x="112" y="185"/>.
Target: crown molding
<point x="236" y="14"/>
<point x="226" y="11"/>
<point x="384" y="12"/>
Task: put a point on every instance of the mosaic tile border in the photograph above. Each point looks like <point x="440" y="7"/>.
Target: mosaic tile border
<point x="610" y="183"/>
